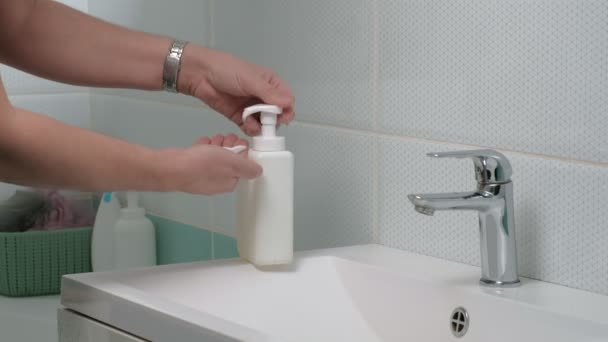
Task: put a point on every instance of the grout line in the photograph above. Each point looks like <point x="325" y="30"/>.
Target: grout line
<point x="375" y="69"/>
<point x="375" y="99"/>
<point x="81" y="91"/>
<point x="200" y="106"/>
<point x="211" y="26"/>
<point x="212" y="245"/>
<point x="375" y="132"/>
<point x="212" y="215"/>
<point x="449" y="143"/>
<point x="212" y="229"/>
<point x="91" y="116"/>
<point x="376" y="191"/>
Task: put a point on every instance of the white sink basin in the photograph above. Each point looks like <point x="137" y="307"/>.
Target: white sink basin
<point x="363" y="293"/>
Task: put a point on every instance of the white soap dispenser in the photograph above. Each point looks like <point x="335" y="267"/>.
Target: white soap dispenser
<point x="265" y="204"/>
<point x="102" y="241"/>
<point x="134" y="237"/>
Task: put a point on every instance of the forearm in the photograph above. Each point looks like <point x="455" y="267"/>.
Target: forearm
<point x="62" y="44"/>
<point x="39" y="151"/>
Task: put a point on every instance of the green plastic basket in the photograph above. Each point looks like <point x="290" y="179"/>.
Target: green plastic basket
<point x="32" y="263"/>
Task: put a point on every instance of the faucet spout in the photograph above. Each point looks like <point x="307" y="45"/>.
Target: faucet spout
<point x="428" y="203"/>
<point x="493" y="202"/>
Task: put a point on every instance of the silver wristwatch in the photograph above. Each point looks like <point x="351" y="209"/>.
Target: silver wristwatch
<point x="172" y="66"/>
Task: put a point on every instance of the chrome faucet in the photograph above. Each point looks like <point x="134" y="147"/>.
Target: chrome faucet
<point x="493" y="200"/>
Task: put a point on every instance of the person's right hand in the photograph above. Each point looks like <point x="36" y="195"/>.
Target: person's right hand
<point x="229" y="85"/>
<point x="207" y="168"/>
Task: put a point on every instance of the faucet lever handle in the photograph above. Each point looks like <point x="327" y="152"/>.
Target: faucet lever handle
<point x="490" y="166"/>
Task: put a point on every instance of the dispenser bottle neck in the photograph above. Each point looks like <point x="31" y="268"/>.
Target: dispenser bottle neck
<point x="267" y="141"/>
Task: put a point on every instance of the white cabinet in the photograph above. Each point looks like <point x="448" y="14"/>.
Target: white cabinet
<point x="76" y="328"/>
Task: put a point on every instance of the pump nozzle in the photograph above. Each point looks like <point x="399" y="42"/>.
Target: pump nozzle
<point x="267" y="141"/>
<point x="268" y="117"/>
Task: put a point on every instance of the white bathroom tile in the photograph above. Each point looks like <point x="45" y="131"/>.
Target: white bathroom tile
<point x="154" y="124"/>
<point x="520" y="75"/>
<point x="17" y="82"/>
<point x="405" y="169"/>
<point x="187" y="20"/>
<point x="194" y="210"/>
<point x="160" y="125"/>
<point x="81" y="5"/>
<point x="322" y="49"/>
<point x="322" y="177"/>
<point x="334" y="186"/>
<point x="559" y="209"/>
<point x="69" y="108"/>
<point x="561" y="220"/>
<point x="154" y="96"/>
<point x="224" y="214"/>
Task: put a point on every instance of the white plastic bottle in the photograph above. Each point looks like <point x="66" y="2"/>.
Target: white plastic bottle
<point x="265" y="204"/>
<point x="102" y="240"/>
<point x="134" y="237"/>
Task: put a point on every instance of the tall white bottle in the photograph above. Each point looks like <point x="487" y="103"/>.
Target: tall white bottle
<point x="265" y="204"/>
<point x="134" y="237"/>
<point x="102" y="241"/>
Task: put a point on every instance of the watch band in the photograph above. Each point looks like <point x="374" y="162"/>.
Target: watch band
<point x="172" y="65"/>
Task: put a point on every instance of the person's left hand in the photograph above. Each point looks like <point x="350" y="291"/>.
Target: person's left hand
<point x="229" y="85"/>
<point x="205" y="167"/>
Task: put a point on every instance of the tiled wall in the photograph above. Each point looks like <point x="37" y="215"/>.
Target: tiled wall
<point x="177" y="242"/>
<point x="158" y="119"/>
<point x="187" y="19"/>
<point x="158" y="125"/>
<point x="381" y="82"/>
<point x="63" y="102"/>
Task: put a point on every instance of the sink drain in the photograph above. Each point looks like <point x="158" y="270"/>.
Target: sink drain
<point x="459" y="322"/>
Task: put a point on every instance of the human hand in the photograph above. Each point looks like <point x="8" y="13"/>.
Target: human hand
<point x="229" y="85"/>
<point x="207" y="168"/>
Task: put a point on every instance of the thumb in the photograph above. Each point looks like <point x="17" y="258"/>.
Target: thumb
<point x="270" y="93"/>
<point x="246" y="168"/>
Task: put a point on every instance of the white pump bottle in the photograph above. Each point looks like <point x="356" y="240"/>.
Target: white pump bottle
<point x="134" y="237"/>
<point x="265" y="204"/>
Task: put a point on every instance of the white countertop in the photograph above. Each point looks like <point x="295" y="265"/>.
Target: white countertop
<point x="29" y="319"/>
<point x="366" y="293"/>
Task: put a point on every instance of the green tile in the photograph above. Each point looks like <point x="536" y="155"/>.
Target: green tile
<point x="224" y="247"/>
<point x="177" y="242"/>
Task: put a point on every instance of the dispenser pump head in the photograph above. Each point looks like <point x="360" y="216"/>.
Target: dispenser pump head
<point x="267" y="141"/>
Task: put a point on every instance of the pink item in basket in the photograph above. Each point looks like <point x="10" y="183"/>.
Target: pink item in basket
<point x="63" y="213"/>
